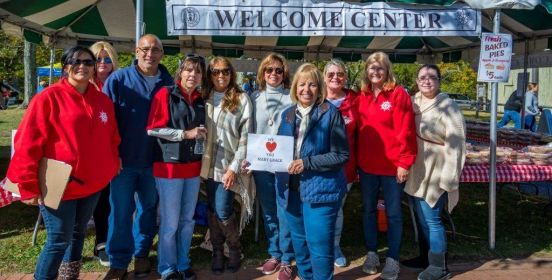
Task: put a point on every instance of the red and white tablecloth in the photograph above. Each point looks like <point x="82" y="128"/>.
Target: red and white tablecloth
<point x="6" y="197"/>
<point x="507" y="173"/>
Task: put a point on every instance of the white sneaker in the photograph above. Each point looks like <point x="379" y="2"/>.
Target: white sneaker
<point x="371" y="263"/>
<point x="390" y="270"/>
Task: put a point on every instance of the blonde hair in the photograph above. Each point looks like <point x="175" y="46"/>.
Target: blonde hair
<point x="231" y="99"/>
<point x="269" y="59"/>
<point x="308" y="70"/>
<point x="381" y="58"/>
<point x="97" y="47"/>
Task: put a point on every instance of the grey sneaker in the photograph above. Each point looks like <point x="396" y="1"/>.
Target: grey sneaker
<point x="371" y="263"/>
<point x="390" y="270"/>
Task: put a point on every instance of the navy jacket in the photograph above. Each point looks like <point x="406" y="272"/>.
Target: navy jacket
<point x="324" y="153"/>
<point x="132" y="97"/>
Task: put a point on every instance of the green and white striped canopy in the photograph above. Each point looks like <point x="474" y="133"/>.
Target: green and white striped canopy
<point x="70" y="22"/>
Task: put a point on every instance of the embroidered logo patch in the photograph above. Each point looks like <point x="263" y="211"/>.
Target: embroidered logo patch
<point x="347" y="120"/>
<point x="103" y="117"/>
<point x="386" y="106"/>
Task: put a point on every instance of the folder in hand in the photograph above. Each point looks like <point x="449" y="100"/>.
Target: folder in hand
<point x="53" y="176"/>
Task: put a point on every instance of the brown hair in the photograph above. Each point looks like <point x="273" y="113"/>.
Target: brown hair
<point x="231" y="99"/>
<point x="192" y="62"/>
<point x="97" y="47"/>
<point x="308" y="70"/>
<point x="269" y="59"/>
<point x="383" y="59"/>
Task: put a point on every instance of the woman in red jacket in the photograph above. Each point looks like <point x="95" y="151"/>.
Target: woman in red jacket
<point x="70" y="121"/>
<point x="385" y="151"/>
<point x="335" y="78"/>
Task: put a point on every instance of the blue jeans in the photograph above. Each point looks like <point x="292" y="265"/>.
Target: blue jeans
<point x="66" y="229"/>
<point x="430" y="222"/>
<point x="510" y="116"/>
<point x="370" y="185"/>
<point x="219" y="200"/>
<point x="177" y="202"/>
<point x="133" y="189"/>
<point x="276" y="228"/>
<point x="530" y="122"/>
<point x="339" y="220"/>
<point x="312" y="229"/>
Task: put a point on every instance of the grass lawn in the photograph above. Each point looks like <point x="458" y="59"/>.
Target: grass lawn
<point x="523" y="228"/>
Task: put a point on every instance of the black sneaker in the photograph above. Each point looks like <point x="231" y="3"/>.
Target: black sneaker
<point x="188" y="274"/>
<point x="172" y="276"/>
<point x="101" y="255"/>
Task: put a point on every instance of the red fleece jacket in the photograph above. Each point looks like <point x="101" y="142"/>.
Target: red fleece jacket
<point x="386" y="132"/>
<point x="79" y="129"/>
<point x="350" y="116"/>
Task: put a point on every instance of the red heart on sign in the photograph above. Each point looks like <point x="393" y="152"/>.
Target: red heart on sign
<point x="271" y="146"/>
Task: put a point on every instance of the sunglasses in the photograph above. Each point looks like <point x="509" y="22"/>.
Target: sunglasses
<point x="278" y="70"/>
<point x="105" y="60"/>
<point x="338" y="74"/>
<point x="196" y="57"/>
<point x="153" y="50"/>
<point x="216" y="72"/>
<point x="85" y="62"/>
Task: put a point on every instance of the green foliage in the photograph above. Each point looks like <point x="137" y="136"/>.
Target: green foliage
<point x="458" y="77"/>
<point x="405" y="73"/>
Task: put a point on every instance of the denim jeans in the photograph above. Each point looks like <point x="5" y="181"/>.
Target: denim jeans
<point x="133" y="189"/>
<point x="65" y="232"/>
<point x="370" y="185"/>
<point x="177" y="202"/>
<point x="312" y="227"/>
<point x="430" y="222"/>
<point x="339" y="220"/>
<point x="510" y="116"/>
<point x="276" y="228"/>
<point x="530" y="122"/>
<point x="219" y="200"/>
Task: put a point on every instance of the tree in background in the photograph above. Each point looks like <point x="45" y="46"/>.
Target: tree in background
<point x="459" y="77"/>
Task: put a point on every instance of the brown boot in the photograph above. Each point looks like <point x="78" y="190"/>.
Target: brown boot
<point x="232" y="234"/>
<point x="217" y="241"/>
<point x="69" y="270"/>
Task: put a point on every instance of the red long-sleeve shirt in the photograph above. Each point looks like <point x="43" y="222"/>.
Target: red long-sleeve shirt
<point x="78" y="129"/>
<point x="386" y="132"/>
<point x="350" y="117"/>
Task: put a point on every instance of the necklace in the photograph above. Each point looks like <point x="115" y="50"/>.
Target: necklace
<point x="271" y="115"/>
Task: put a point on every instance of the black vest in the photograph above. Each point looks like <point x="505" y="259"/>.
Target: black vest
<point x="181" y="116"/>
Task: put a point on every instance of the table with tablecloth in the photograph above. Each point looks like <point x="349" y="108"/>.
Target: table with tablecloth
<point x="507" y="173"/>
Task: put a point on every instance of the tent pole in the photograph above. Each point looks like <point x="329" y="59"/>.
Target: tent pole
<point x="525" y="81"/>
<point x="52" y="60"/>
<point x="139" y="20"/>
<point x="492" y="171"/>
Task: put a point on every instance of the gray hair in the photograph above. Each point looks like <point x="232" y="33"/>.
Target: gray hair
<point x="335" y="62"/>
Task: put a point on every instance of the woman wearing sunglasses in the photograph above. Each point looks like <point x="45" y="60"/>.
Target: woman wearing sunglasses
<point x="69" y="121"/>
<point x="176" y="120"/>
<point x="228" y="120"/>
<point x="335" y="78"/>
<point x="268" y="105"/>
<point x="106" y="63"/>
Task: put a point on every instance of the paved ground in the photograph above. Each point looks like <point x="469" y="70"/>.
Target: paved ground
<point x="525" y="269"/>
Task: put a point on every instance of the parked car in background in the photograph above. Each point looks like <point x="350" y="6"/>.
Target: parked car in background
<point x="463" y="101"/>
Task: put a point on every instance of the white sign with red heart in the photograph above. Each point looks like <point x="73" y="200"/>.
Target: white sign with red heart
<point x="271" y="153"/>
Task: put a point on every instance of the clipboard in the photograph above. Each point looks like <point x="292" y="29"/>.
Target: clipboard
<point x="53" y="176"/>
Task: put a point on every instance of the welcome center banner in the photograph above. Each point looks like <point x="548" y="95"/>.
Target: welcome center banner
<point x="318" y="18"/>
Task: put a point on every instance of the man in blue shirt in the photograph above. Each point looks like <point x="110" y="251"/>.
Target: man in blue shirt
<point x="132" y="89"/>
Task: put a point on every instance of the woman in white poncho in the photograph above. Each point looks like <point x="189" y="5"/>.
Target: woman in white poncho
<point x="435" y="175"/>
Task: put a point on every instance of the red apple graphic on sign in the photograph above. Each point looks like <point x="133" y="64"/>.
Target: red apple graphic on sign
<point x="271" y="146"/>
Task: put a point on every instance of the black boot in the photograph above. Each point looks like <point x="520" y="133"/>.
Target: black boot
<point x="437" y="269"/>
<point x="420" y="262"/>
<point x="217" y="241"/>
<point x="232" y="235"/>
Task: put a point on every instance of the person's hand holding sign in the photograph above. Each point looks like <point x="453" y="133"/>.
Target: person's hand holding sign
<point x="296" y="167"/>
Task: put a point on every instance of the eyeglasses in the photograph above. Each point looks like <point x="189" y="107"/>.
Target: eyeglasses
<point x="105" y="60"/>
<point x="152" y="50"/>
<point x="428" y="78"/>
<point x="278" y="70"/>
<point x="224" y="72"/>
<point x="85" y="62"/>
<point x="330" y="75"/>
<point x="377" y="69"/>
